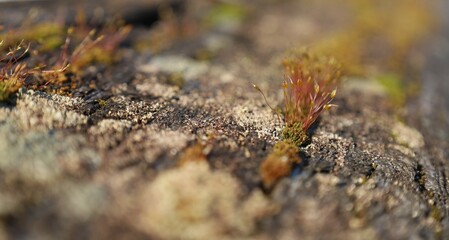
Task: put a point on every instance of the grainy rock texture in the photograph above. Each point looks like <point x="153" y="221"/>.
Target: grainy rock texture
<point x="168" y="145"/>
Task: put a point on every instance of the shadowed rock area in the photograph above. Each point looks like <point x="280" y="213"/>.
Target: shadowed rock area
<point x="167" y="142"/>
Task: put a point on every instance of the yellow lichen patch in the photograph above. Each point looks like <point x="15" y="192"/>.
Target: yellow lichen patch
<point x="193" y="202"/>
<point x="279" y="163"/>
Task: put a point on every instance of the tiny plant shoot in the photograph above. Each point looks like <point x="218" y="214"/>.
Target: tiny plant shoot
<point x="12" y="73"/>
<point x="309" y="86"/>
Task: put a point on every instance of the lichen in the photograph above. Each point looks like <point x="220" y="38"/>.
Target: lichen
<point x="37" y="111"/>
<point x="194" y="202"/>
<point x="407" y="136"/>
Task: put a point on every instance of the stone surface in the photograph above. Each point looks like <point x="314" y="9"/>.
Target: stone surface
<point x="169" y="145"/>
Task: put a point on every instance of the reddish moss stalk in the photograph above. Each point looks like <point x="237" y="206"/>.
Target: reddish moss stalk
<point x="12" y="73"/>
<point x="309" y="87"/>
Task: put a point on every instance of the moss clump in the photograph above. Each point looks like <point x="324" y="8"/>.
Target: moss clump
<point x="12" y="73"/>
<point x="80" y="48"/>
<point x="295" y="134"/>
<point x="6" y="89"/>
<point x="102" y="103"/>
<point x="309" y="87"/>
<point x="279" y="162"/>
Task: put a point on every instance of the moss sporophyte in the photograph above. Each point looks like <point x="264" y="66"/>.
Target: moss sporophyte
<point x="79" y="51"/>
<point x="309" y="87"/>
<point x="12" y="73"/>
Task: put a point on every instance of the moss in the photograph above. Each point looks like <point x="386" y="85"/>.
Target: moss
<point x="279" y="162"/>
<point x="6" y="90"/>
<point x="309" y="87"/>
<point x="102" y="103"/>
<point x="295" y="134"/>
<point x="12" y="73"/>
<point x="4" y="95"/>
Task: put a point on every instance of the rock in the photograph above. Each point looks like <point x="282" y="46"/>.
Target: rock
<point x="407" y="136"/>
<point x="36" y="110"/>
<point x="194" y="202"/>
<point x="165" y="146"/>
<point x="189" y="68"/>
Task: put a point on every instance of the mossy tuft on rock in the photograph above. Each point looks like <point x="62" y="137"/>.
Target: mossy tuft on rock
<point x="279" y="162"/>
<point x="295" y="134"/>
